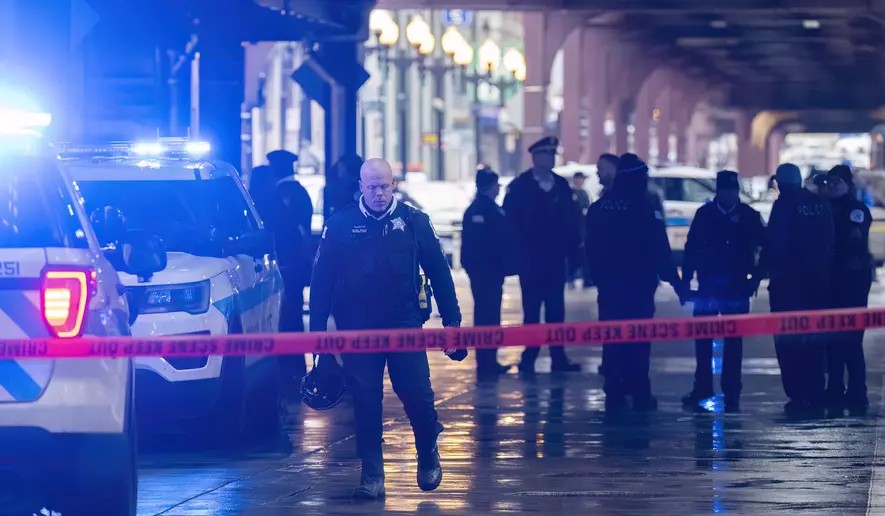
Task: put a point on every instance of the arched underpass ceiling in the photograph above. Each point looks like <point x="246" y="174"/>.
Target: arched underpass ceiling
<point x="769" y="54"/>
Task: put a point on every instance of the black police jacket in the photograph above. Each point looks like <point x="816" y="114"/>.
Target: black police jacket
<point x="291" y="227"/>
<point x="798" y="252"/>
<point x="546" y="224"/>
<point x="722" y="249"/>
<point x="366" y="271"/>
<point x="488" y="247"/>
<point x="852" y="267"/>
<point x="627" y="246"/>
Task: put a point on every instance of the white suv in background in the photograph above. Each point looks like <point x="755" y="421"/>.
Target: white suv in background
<point x="215" y="274"/>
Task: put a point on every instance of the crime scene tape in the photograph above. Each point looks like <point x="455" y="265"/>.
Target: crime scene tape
<point x="593" y="333"/>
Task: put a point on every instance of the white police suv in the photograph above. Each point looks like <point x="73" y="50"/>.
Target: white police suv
<point x="67" y="433"/>
<point x="212" y="273"/>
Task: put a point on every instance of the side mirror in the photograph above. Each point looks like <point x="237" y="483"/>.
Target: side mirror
<point x="144" y="254"/>
<point x="254" y="243"/>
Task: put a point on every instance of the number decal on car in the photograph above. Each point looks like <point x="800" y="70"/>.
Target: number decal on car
<point x="10" y="269"/>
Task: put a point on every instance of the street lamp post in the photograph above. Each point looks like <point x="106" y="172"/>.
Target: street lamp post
<point x="460" y="52"/>
<point x="489" y="59"/>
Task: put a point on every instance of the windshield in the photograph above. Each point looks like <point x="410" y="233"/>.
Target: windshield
<point x="690" y="189"/>
<point x="36" y="208"/>
<point x="438" y="196"/>
<point x="194" y="217"/>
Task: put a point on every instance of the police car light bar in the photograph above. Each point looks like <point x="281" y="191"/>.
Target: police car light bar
<point x="161" y="148"/>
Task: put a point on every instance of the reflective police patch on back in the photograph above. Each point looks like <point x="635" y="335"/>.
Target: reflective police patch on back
<point x="857" y="216"/>
<point x="479" y="219"/>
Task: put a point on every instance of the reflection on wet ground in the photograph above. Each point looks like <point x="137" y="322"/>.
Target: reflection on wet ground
<point x="544" y="444"/>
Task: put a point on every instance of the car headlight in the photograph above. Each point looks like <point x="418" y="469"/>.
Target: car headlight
<point x="192" y="298"/>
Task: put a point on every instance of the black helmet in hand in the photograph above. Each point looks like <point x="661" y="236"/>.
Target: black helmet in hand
<point x="324" y="386"/>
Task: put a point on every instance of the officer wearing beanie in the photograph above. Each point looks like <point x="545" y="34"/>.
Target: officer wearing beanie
<point x="852" y="279"/>
<point x="798" y="256"/>
<point x="539" y="203"/>
<point x="722" y="245"/>
<point x="488" y="254"/>
<point x="628" y="257"/>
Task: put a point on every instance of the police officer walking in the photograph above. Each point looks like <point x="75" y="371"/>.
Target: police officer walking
<point x="290" y="223"/>
<point x="630" y="253"/>
<point x="488" y="254"/>
<point x="366" y="275"/>
<point x="798" y="256"/>
<point x="722" y="245"/>
<point x="852" y="279"/>
<point x="539" y="204"/>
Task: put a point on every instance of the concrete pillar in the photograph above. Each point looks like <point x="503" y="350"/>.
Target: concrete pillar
<point x="597" y="48"/>
<point x="573" y="92"/>
<point x="221" y="87"/>
<point x="664" y="125"/>
<point x="622" y="120"/>
<point x="751" y="158"/>
<point x="641" y="128"/>
<point x="537" y="79"/>
<point x="775" y="145"/>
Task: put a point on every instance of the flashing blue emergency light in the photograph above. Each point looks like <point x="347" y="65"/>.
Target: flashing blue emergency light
<point x="175" y="148"/>
<point x="19" y="123"/>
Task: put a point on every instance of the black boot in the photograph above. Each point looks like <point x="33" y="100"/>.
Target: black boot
<point x="491" y="372"/>
<point x="696" y="396"/>
<point x="564" y="366"/>
<point x="370" y="488"/>
<point x="429" y="469"/>
<point x="645" y="403"/>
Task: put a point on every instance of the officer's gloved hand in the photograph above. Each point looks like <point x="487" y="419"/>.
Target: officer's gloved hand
<point x="752" y="287"/>
<point x="455" y="354"/>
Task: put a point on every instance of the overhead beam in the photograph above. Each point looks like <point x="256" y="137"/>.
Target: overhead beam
<point x="762" y="7"/>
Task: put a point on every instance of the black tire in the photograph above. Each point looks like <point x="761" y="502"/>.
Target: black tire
<point x="227" y="418"/>
<point x="268" y="407"/>
<point x="106" y="482"/>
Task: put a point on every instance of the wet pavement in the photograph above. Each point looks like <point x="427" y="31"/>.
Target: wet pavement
<point x="545" y="445"/>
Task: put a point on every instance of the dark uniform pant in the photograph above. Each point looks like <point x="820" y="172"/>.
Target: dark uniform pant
<point x="626" y="365"/>
<point x="802" y="358"/>
<point x="547" y="291"/>
<point x="732" y="355"/>
<point x="845" y="350"/>
<point x="410" y="376"/>
<point x="292" y="321"/>
<point x="487" y="295"/>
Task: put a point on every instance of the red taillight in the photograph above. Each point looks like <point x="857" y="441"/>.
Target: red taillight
<point x="65" y="298"/>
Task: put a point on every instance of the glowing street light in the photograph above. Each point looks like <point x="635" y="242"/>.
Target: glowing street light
<point x="514" y="61"/>
<point x="463" y="55"/>
<point x="452" y="40"/>
<point x="417" y="31"/>
<point x="380" y="19"/>
<point x="489" y="55"/>
<point x="389" y="34"/>
<point x="427" y="44"/>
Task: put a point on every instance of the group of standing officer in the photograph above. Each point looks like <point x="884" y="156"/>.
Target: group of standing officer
<point x="816" y="255"/>
<point x="815" y="252"/>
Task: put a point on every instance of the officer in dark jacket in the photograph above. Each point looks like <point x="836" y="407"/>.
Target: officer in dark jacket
<point x="545" y="217"/>
<point x="488" y="254"/>
<point x="366" y="275"/>
<point x="290" y="224"/>
<point x="798" y="257"/>
<point x="722" y="245"/>
<point x="630" y="253"/>
<point x="852" y="278"/>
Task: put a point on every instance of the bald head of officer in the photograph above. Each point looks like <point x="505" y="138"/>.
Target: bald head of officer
<point x="376" y="184"/>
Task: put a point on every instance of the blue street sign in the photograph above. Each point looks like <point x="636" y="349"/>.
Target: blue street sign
<point x="457" y="17"/>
